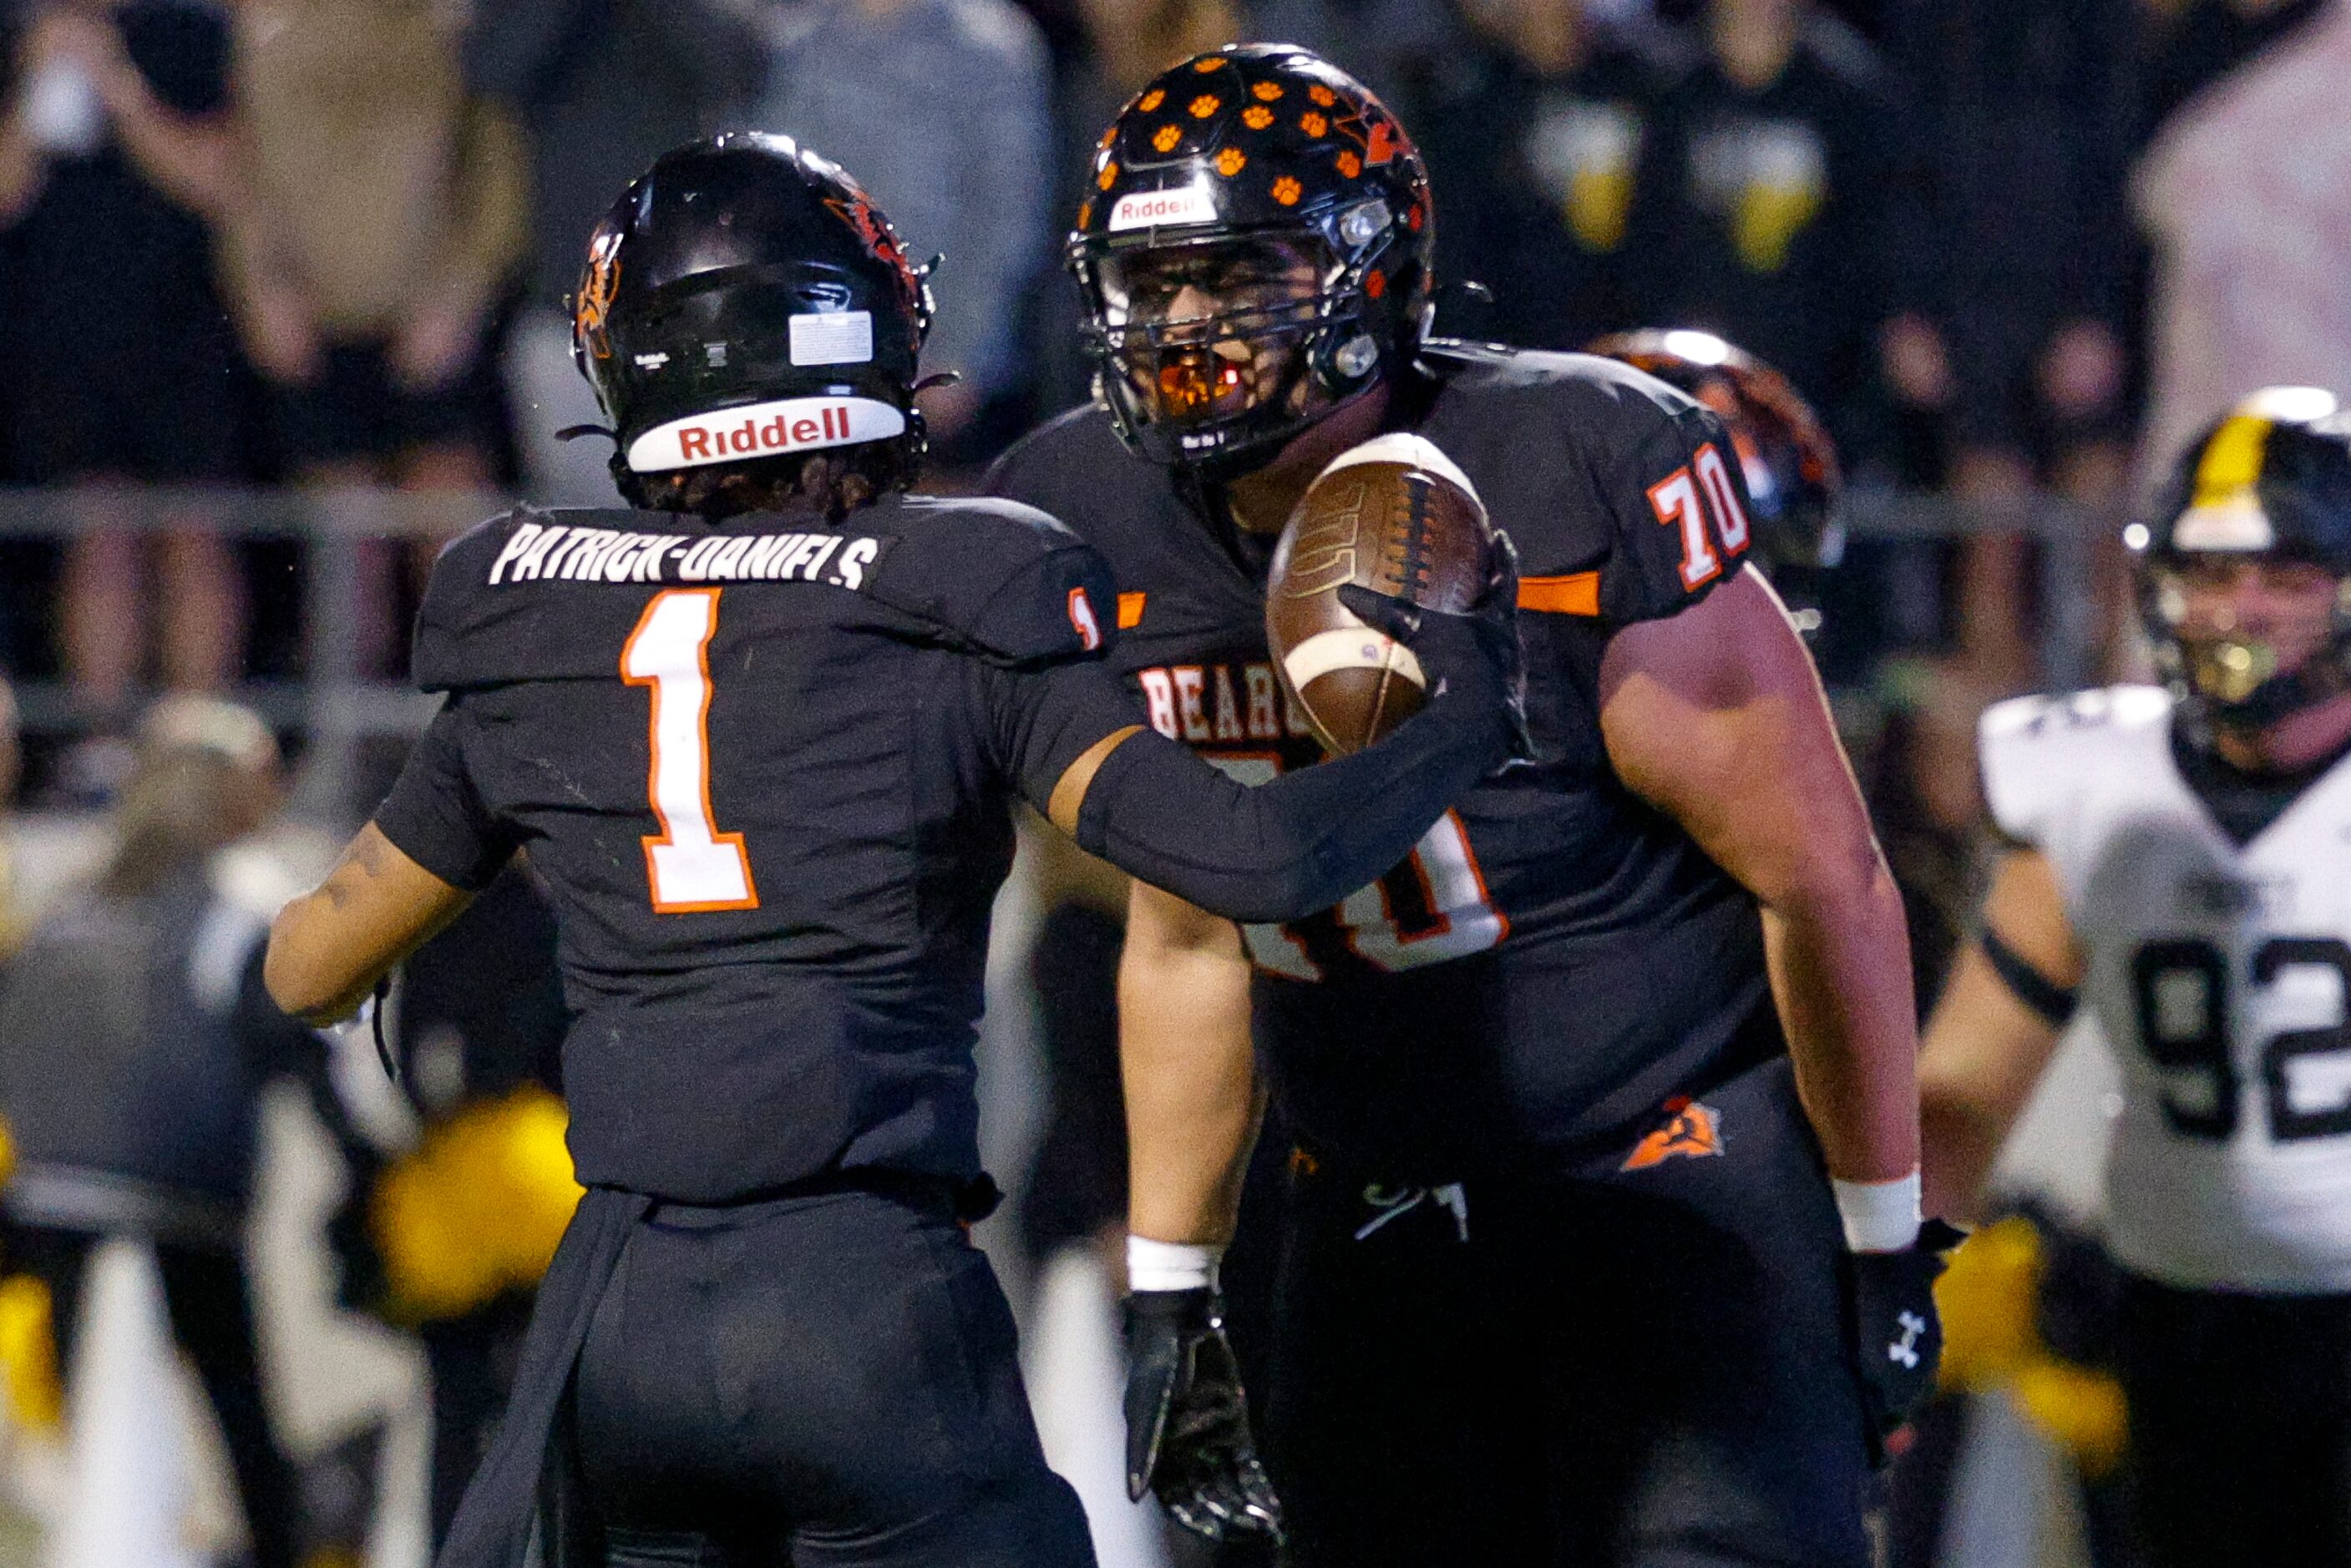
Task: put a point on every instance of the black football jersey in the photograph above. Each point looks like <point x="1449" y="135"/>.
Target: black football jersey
<point x="1557" y="959"/>
<point x="763" y="767"/>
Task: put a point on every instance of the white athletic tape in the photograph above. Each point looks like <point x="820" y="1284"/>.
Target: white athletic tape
<point x="1880" y="1216"/>
<point x="1358" y="648"/>
<point x="1412" y="451"/>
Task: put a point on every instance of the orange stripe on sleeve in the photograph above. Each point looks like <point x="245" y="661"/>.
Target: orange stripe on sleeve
<point x="1130" y="611"/>
<point x="1578" y="593"/>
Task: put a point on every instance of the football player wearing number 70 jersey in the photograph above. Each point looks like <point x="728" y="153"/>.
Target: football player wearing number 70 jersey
<point x="760" y="737"/>
<point x="2178" y="867"/>
<point x="1565" y="1280"/>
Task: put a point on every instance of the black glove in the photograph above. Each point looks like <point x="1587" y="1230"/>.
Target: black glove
<point x="1897" y="1337"/>
<point x="1476" y="654"/>
<point x="1188" y="1435"/>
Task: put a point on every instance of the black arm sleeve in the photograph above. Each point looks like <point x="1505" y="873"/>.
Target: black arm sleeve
<point x="436" y="816"/>
<point x="1278" y="852"/>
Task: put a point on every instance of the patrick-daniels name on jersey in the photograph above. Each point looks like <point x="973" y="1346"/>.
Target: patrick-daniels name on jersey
<point x="559" y="551"/>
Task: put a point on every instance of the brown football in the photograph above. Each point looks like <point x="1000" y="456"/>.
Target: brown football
<point x="1395" y="516"/>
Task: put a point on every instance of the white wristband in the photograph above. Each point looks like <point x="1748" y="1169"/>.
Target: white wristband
<point x="1170" y="1266"/>
<point x="1880" y="1216"/>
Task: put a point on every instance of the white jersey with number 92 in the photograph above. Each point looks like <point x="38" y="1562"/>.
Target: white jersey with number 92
<point x="2219" y="972"/>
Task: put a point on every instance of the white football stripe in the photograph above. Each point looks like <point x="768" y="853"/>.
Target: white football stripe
<point x="1413" y="452"/>
<point x="1349" y="648"/>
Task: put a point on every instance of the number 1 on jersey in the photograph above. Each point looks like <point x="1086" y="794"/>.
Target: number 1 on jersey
<point x="691" y="865"/>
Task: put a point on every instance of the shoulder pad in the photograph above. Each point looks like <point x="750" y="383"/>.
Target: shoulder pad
<point x="1062" y="460"/>
<point x="998" y="580"/>
<point x="452" y="608"/>
<point x="1608" y="479"/>
<point x="2039" y="753"/>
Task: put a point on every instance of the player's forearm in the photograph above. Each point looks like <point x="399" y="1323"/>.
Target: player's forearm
<point x="1983" y="1052"/>
<point x="1839" y="955"/>
<point x="329" y="946"/>
<point x="1190" y="1080"/>
<point x="1300" y="844"/>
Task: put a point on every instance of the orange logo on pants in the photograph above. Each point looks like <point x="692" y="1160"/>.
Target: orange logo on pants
<point x="1691" y="1130"/>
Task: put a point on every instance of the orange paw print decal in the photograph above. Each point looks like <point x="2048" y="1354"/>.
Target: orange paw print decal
<point x="1167" y="138"/>
<point x="1287" y="191"/>
<point x="1204" y="105"/>
<point x="1257" y="116"/>
<point x="1322" y="95"/>
<point x="1231" y="162"/>
<point x="1213" y="63"/>
<point x="1349" y="165"/>
<point x="1107" y="178"/>
<point x="1313" y="124"/>
<point x="1268" y="92"/>
<point x="1150" y="99"/>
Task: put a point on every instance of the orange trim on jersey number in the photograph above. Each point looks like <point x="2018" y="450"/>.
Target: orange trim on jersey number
<point x="1578" y="593"/>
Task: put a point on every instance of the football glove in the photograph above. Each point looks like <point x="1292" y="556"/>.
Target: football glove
<point x="1478" y="646"/>
<point x="1897" y="1337"/>
<point x="1187" y="1434"/>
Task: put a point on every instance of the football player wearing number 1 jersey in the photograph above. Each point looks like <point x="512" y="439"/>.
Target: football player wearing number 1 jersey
<point x="760" y="736"/>
<point x="1579" y="1269"/>
<point x="2179" y="864"/>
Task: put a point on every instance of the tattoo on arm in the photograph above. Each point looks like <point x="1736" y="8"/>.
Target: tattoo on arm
<point x="363" y="857"/>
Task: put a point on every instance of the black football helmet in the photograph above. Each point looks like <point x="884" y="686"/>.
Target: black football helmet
<point x="745" y="276"/>
<point x="1277" y="189"/>
<point x="1785" y="454"/>
<point x="2270" y="482"/>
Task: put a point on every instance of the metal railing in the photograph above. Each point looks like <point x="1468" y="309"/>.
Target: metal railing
<point x="335" y="707"/>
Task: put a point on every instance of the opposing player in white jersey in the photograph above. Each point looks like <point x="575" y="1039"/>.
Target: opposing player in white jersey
<point x="2182" y="865"/>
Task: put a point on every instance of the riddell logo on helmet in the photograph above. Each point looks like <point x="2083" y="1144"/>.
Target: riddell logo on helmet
<point x="1148" y="209"/>
<point x="764" y="429"/>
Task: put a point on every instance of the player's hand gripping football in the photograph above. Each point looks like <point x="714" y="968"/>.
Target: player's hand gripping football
<point x="1897" y="1337"/>
<point x="1188" y="1435"/>
<point x="1474" y="656"/>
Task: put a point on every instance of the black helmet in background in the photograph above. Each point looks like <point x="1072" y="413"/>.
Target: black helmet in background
<point x="1255" y="251"/>
<point x="2269" y="485"/>
<point x="1784" y="452"/>
<point x="744" y="299"/>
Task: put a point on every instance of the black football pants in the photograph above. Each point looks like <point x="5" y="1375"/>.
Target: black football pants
<point x="1641" y="1369"/>
<point x="2241" y="1426"/>
<point x="824" y="1382"/>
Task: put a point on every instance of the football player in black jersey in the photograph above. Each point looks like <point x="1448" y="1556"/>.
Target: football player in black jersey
<point x="761" y="736"/>
<point x="1603" y="1229"/>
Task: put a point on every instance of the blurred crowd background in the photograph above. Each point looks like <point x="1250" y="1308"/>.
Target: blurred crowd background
<point x="283" y="303"/>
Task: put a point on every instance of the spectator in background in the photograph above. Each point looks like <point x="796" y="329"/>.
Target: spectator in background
<point x="2195" y="43"/>
<point x="1532" y="135"/>
<point x="372" y="261"/>
<point x="134" y="1037"/>
<point x="1760" y="207"/>
<point x="2020" y="120"/>
<point x="116" y="363"/>
<point x="2246" y="196"/>
<point x="385" y="225"/>
<point x="941" y="108"/>
<point x="601" y="88"/>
